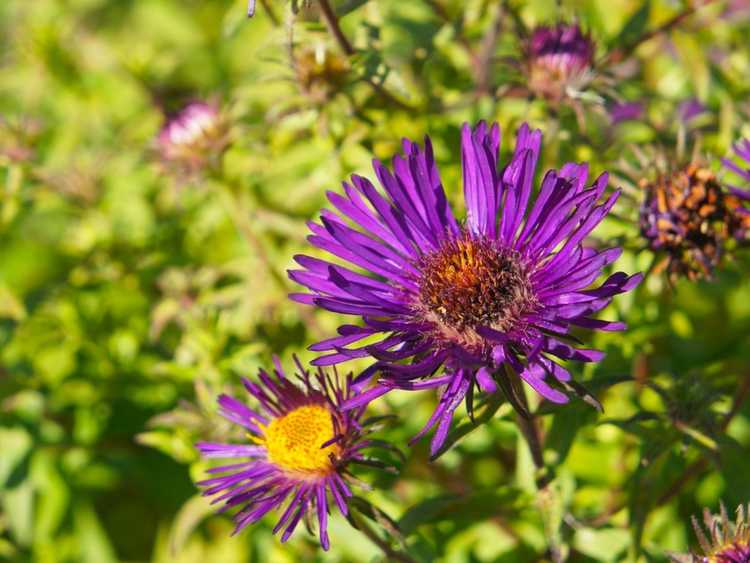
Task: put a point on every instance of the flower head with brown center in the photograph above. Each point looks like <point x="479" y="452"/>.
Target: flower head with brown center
<point x="486" y="300"/>
<point x="472" y="282"/>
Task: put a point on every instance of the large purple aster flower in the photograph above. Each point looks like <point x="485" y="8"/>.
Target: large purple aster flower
<point x="489" y="299"/>
<point x="302" y="445"/>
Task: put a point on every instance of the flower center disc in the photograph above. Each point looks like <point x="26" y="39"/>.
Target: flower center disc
<point x="472" y="282"/>
<point x="689" y="215"/>
<point x="294" y="440"/>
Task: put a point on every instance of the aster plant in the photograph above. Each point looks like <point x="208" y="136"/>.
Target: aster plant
<point x="727" y="541"/>
<point x="301" y="447"/>
<point x="489" y="300"/>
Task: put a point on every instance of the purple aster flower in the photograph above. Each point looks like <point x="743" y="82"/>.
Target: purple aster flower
<point x="728" y="542"/>
<point x="193" y="138"/>
<point x="489" y="299"/>
<point x="626" y="111"/>
<point x="690" y="109"/>
<point x="302" y="444"/>
<point x="557" y="59"/>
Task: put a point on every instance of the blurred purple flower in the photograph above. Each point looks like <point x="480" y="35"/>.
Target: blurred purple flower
<point x="742" y="150"/>
<point x="193" y="138"/>
<point x="489" y="299"/>
<point x="302" y="443"/>
<point x="736" y="10"/>
<point x="690" y="109"/>
<point x="626" y="111"/>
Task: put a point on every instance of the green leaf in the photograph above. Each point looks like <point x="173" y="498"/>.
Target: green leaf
<point x="16" y="445"/>
<point x="18" y="505"/>
<point x="349" y="6"/>
<point x="463" y="510"/>
<point x="93" y="543"/>
<point x="192" y="513"/>
<point x="634" y="28"/>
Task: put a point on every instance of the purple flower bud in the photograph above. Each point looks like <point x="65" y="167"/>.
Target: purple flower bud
<point x="557" y="59"/>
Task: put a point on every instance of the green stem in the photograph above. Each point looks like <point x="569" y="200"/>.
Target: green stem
<point x="390" y="553"/>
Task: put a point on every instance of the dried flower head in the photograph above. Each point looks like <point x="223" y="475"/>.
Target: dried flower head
<point x="300" y="451"/>
<point x="194" y="138"/>
<point x="320" y="72"/>
<point x="688" y="215"/>
<point x="489" y="300"/>
<point x="727" y="542"/>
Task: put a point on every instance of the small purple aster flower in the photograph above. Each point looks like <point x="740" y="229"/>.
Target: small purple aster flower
<point x="194" y="137"/>
<point x="488" y="299"/>
<point x="690" y="109"/>
<point x="728" y="542"/>
<point x="626" y="111"/>
<point x="558" y="58"/>
<point x="302" y="445"/>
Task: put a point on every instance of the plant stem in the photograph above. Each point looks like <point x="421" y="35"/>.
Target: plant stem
<point x="271" y="14"/>
<point x="530" y="432"/>
<point x="390" y="553"/>
<point x="487" y="48"/>
<point x="332" y="22"/>
<point x="619" y="54"/>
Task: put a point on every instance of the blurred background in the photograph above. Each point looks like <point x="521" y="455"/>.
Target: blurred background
<point x="135" y="287"/>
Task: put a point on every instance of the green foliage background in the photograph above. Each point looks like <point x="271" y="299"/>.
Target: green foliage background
<point x="129" y="298"/>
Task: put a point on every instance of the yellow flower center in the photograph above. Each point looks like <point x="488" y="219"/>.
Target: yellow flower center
<point x="294" y="440"/>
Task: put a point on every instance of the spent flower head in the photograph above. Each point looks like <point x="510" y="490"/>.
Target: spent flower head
<point x="301" y="446"/>
<point x="689" y="216"/>
<point x="320" y="72"/>
<point x="490" y="299"/>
